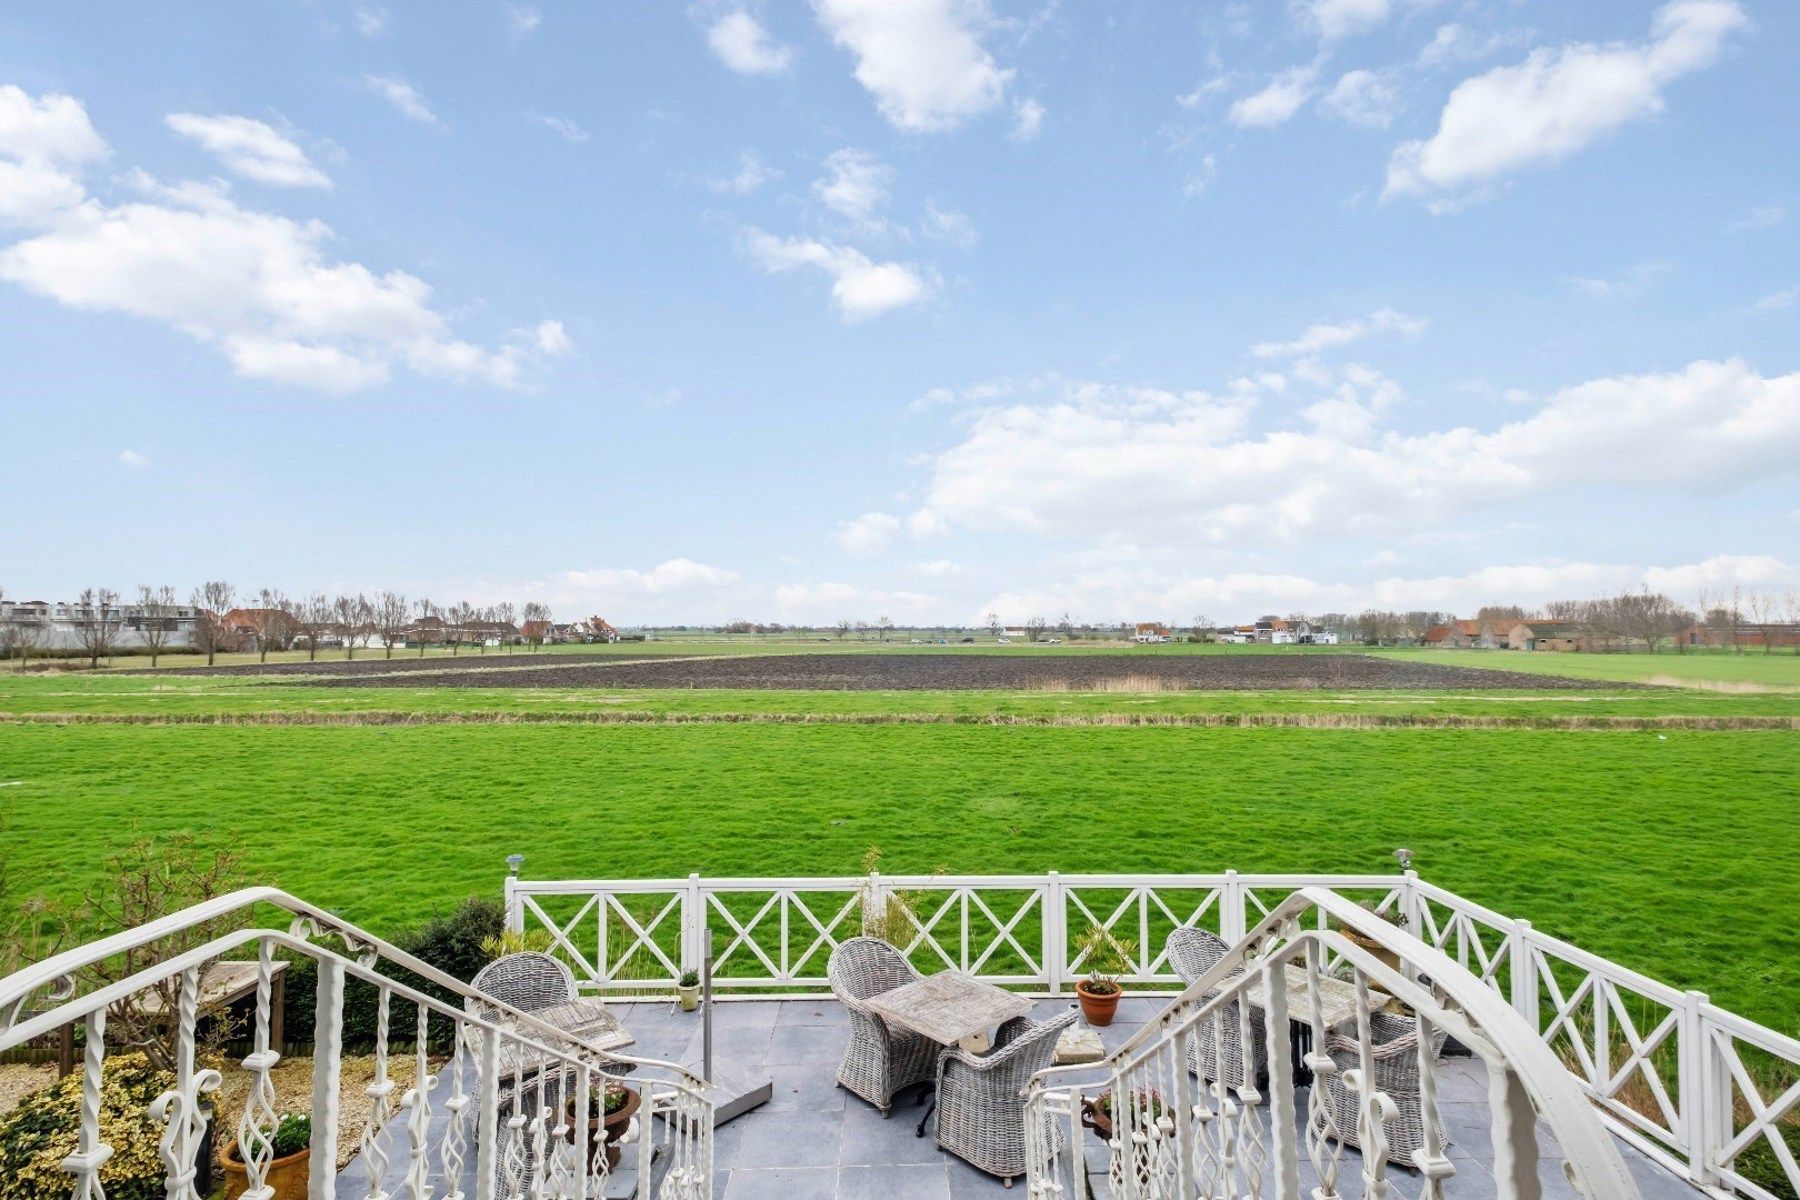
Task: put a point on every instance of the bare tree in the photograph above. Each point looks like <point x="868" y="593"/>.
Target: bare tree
<point x="354" y="615"/>
<point x="456" y="623"/>
<point x="1034" y="628"/>
<point x="314" y="616"/>
<point x="424" y="613"/>
<point x="841" y="628"/>
<point x="156" y="606"/>
<point x="884" y="626"/>
<point x="272" y="623"/>
<point x="390" y="619"/>
<point x="97" y="626"/>
<point x="537" y="624"/>
<point x="508" y="617"/>
<point x="993" y="624"/>
<point x="26" y="636"/>
<point x="213" y="599"/>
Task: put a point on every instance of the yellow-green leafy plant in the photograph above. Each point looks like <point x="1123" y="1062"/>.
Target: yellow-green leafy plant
<point x="887" y="913"/>
<point x="518" y="941"/>
<point x="38" y="1135"/>
<point x="1106" y="957"/>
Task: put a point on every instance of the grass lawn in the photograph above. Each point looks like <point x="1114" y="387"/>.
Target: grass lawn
<point x="1699" y="669"/>
<point x="1668" y="853"/>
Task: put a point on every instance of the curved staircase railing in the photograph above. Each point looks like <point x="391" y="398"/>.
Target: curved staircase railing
<point x="516" y="1126"/>
<point x="1176" y="1136"/>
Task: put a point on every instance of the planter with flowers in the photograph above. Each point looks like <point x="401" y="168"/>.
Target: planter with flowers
<point x="610" y="1109"/>
<point x="1152" y="1120"/>
<point x="287" y="1172"/>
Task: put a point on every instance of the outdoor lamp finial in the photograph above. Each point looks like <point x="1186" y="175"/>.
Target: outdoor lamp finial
<point x="1405" y="856"/>
<point x="513" y="863"/>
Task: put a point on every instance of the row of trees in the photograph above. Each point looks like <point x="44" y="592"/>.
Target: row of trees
<point x="270" y="620"/>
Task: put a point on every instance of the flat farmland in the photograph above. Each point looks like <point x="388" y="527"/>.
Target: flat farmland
<point x="975" y="672"/>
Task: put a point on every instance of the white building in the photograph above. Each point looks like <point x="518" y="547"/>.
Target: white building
<point x="59" y="625"/>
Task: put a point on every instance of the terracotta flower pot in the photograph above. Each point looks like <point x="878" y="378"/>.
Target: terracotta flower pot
<point x="1373" y="947"/>
<point x="610" y="1128"/>
<point x="286" y="1175"/>
<point x="1097" y="1008"/>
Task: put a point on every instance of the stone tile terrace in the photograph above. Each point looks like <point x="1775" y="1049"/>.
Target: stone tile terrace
<point x="815" y="1141"/>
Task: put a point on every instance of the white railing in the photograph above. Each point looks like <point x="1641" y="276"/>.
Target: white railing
<point x="520" y="1125"/>
<point x="1700" y="1089"/>
<point x="776" y="935"/>
<point x="1172" y="1134"/>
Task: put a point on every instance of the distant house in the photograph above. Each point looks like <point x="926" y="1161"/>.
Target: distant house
<point x="535" y="631"/>
<point x="1744" y="634"/>
<point x="1464" y="635"/>
<point x="1009" y="632"/>
<point x="1150" y="632"/>
<point x="601" y="630"/>
<point x="1546" y="635"/>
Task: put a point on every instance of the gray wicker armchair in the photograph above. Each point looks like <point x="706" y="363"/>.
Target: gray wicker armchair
<point x="528" y="981"/>
<point x="878" y="1062"/>
<point x="1192" y="952"/>
<point x="981" y="1097"/>
<point x="1396" y="1058"/>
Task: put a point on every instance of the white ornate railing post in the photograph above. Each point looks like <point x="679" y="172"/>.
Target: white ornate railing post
<point x="90" y="1151"/>
<point x="1056" y="942"/>
<point x="256" y="1130"/>
<point x="328" y="1053"/>
<point x="515" y="908"/>
<point x="487" y="1119"/>
<point x="1282" y="1113"/>
<point x="1514" y="1133"/>
<point x="1522" y="965"/>
<point x="1410" y="915"/>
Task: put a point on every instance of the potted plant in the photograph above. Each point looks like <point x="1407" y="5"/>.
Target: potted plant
<point x="1370" y="944"/>
<point x="1106" y="958"/>
<point x="287" y="1172"/>
<point x="610" y="1109"/>
<point x="1097" y="1114"/>
<point x="688" y="990"/>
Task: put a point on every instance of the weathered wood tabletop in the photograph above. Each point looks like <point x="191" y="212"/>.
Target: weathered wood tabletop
<point x="1337" y="998"/>
<point x="949" y="1007"/>
<point x="586" y="1018"/>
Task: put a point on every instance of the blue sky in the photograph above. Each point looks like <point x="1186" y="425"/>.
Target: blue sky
<point x="918" y="308"/>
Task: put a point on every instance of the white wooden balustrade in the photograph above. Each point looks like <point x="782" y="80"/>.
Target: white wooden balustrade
<point x="518" y="1126"/>
<point x="1696" y="1087"/>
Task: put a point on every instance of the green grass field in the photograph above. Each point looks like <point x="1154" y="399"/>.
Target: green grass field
<point x="1668" y="852"/>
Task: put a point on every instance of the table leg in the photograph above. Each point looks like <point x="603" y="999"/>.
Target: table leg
<point x="1299" y="1046"/>
<point x="931" y="1091"/>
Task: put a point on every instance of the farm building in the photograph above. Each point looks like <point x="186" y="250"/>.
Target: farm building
<point x="1148" y="632"/>
<point x="1546" y="635"/>
<point x="1766" y="635"/>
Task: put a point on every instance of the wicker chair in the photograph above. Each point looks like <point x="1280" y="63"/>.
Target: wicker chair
<point x="981" y="1097"/>
<point x="1193" y="952"/>
<point x="528" y="981"/>
<point x="1396" y="1057"/>
<point x="878" y="1062"/>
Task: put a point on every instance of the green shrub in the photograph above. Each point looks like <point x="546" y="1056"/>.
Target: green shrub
<point x="451" y="942"/>
<point x="37" y="1136"/>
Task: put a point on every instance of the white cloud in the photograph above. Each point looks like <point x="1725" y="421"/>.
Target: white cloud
<point x="922" y="60"/>
<point x="1028" y="120"/>
<point x="823" y="603"/>
<point x="550" y="337"/>
<point x="250" y="148"/>
<point x="1629" y="284"/>
<point x="1321" y="337"/>
<point x="256" y="286"/>
<point x="522" y="20"/>
<point x="371" y="21"/>
<point x="1783" y="299"/>
<point x="741" y="43"/>
<point x="402" y="95"/>
<point x="948" y="225"/>
<point x="855" y="184"/>
<point x="1335" y="19"/>
<point x="752" y="173"/>
<point x="44" y="144"/>
<point x="868" y="534"/>
<point x="1762" y="216"/>
<point x="1088" y="463"/>
<point x="860" y="287"/>
<point x="1559" y="101"/>
<point x="940" y="568"/>
<point x="1281" y="99"/>
<point x="1202" y="177"/>
<point x="132" y="458"/>
<point x="1362" y="97"/>
<point x="569" y="130"/>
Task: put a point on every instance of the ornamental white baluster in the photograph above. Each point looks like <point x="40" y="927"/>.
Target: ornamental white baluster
<point x="454" y="1148"/>
<point x="328" y="1056"/>
<point x="1282" y="1109"/>
<point x="1430" y="1158"/>
<point x="256" y="1128"/>
<point x="1514" y="1132"/>
<point x="179" y="1108"/>
<point x="374" y="1135"/>
<point x="1373" y="1110"/>
<point x="540" y="1150"/>
<point x="90" y="1151"/>
<point x="417" y="1103"/>
<point x="1324" y="1145"/>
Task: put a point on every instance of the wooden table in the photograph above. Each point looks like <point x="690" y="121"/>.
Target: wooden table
<point x="1337" y="1006"/>
<point x="951" y="1009"/>
<point x="585" y="1018"/>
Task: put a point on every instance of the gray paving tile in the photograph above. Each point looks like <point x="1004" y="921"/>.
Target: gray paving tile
<point x="924" y="1181"/>
<point x="813" y="1012"/>
<point x="868" y="1140"/>
<point x="782" y="1139"/>
<point x="781" y="1183"/>
<point x="816" y="1044"/>
<point x="804" y="1087"/>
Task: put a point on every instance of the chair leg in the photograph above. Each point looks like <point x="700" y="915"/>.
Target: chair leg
<point x="1009" y="1181"/>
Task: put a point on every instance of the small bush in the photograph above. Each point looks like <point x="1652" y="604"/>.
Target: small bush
<point x="37" y="1136"/>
